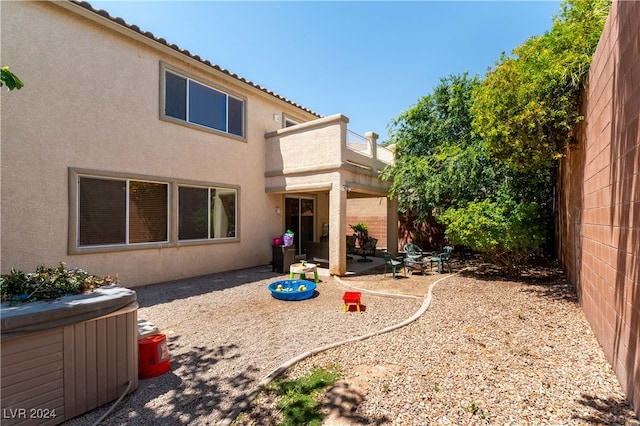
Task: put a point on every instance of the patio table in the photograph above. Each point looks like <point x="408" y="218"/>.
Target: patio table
<point x="415" y="265"/>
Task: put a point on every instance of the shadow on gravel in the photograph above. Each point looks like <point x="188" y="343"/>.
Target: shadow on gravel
<point x="545" y="279"/>
<point x="341" y="401"/>
<point x="608" y="411"/>
<point x="166" y="292"/>
<point x="190" y="397"/>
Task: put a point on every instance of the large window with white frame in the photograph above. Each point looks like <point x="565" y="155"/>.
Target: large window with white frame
<point x="193" y="102"/>
<point x="119" y="212"/>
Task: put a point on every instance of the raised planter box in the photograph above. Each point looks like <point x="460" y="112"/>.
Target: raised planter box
<point x="66" y="357"/>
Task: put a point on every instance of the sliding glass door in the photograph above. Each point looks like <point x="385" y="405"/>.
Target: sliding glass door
<point x="300" y="218"/>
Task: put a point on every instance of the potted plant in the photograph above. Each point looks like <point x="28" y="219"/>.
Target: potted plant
<point x="360" y="232"/>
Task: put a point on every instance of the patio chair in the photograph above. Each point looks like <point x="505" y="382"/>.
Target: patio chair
<point x="367" y="249"/>
<point x="441" y="258"/>
<point x="413" y="251"/>
<point x="393" y="264"/>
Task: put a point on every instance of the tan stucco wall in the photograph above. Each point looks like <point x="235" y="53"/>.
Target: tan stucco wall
<point x="599" y="203"/>
<point x="294" y="150"/>
<point x="91" y="101"/>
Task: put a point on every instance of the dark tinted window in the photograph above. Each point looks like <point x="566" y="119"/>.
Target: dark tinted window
<point x="236" y="122"/>
<point x="176" y="96"/>
<point x="194" y="213"/>
<point x="147" y="212"/>
<point x="205" y="106"/>
<point x="102" y="214"/>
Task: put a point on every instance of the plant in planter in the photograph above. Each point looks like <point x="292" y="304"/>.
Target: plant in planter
<point x="361" y="232"/>
<point x="48" y="283"/>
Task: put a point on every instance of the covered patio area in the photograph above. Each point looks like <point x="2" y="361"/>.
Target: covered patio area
<point x="326" y="164"/>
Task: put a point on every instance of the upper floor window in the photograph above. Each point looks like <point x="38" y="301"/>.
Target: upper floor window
<point x="193" y="102"/>
<point x="289" y="122"/>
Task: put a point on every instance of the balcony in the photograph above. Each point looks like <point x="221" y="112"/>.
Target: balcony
<point x="325" y="145"/>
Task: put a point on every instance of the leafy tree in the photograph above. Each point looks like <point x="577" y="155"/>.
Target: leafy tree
<point x="444" y="169"/>
<point x="439" y="161"/>
<point x="505" y="230"/>
<point x="481" y="155"/>
<point x="528" y="106"/>
<point x="9" y="79"/>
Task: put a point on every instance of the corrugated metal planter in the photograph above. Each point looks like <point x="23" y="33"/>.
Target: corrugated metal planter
<point x="66" y="357"/>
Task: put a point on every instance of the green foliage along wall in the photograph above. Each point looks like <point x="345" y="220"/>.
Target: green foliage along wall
<point x="528" y="107"/>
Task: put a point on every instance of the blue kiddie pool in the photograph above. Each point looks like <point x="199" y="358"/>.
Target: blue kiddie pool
<point x="292" y="289"/>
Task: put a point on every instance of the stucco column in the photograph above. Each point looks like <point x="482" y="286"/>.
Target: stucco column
<point x="392" y="225"/>
<point x="337" y="224"/>
<point x="372" y="137"/>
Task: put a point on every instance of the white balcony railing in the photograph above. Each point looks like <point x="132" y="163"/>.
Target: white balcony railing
<point x="358" y="143"/>
<point x="364" y="146"/>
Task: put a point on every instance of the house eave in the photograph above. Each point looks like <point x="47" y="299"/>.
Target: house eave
<point x="147" y="38"/>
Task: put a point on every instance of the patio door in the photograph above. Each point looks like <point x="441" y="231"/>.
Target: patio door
<point x="300" y="218"/>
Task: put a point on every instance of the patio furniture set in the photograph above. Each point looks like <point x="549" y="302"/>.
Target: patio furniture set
<point x="368" y="248"/>
<point x="415" y="260"/>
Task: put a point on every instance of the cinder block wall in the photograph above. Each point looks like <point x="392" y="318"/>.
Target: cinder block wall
<point x="599" y="201"/>
<point x="373" y="212"/>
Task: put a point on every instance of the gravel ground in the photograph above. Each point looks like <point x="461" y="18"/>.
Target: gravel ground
<point x="226" y="332"/>
<point x="487" y="351"/>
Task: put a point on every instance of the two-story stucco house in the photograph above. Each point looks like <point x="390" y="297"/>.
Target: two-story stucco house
<point x="125" y="155"/>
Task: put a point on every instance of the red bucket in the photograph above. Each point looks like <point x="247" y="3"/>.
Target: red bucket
<point x="153" y="356"/>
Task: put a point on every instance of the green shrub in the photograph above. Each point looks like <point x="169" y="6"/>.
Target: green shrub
<point x="529" y="105"/>
<point x="508" y="232"/>
<point x="361" y="232"/>
<point x="10" y="79"/>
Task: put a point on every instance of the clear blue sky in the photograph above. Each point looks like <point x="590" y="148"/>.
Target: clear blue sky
<point x="367" y="60"/>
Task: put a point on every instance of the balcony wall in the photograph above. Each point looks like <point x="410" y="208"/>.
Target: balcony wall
<point x="321" y="145"/>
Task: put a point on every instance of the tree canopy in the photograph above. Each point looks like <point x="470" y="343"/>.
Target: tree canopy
<point x="439" y="161"/>
<point x="480" y="155"/>
<point x="527" y="109"/>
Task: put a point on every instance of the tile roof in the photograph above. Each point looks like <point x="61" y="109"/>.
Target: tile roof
<point x="162" y="41"/>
